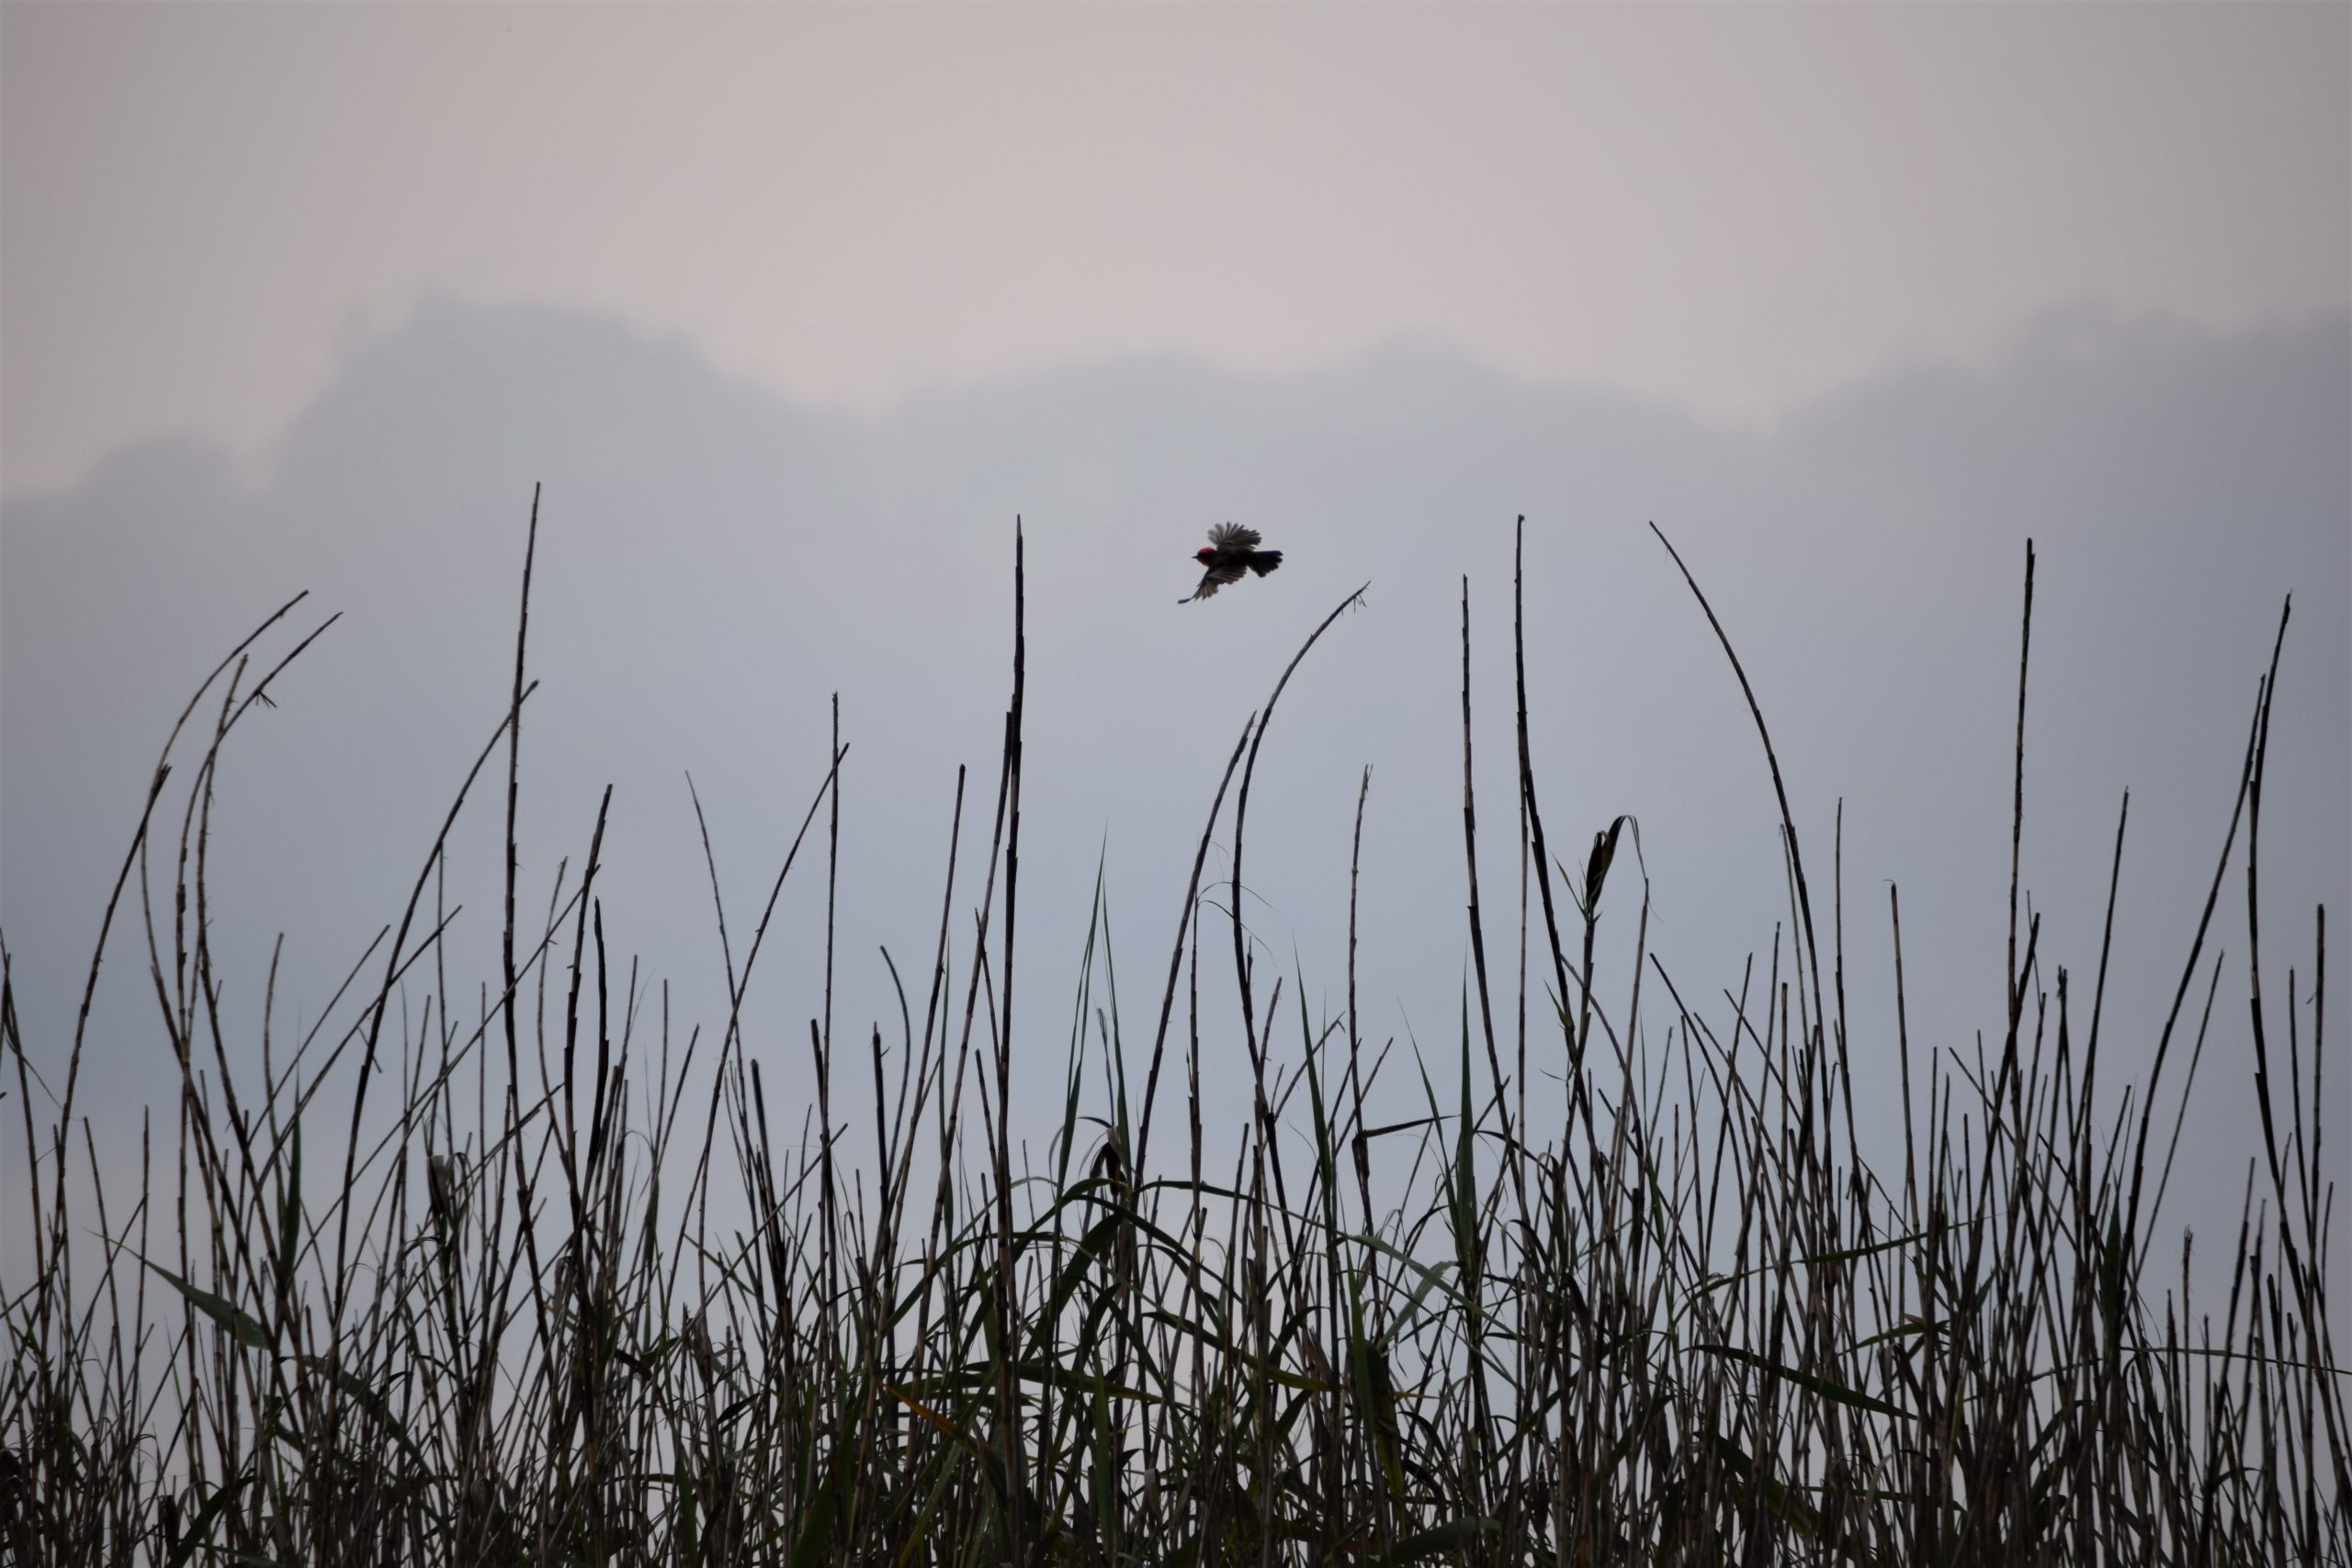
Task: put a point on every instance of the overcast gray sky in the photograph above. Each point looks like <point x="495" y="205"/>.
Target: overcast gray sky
<point x="792" y="309"/>
<point x="1735" y="208"/>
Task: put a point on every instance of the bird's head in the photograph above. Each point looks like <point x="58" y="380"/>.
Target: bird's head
<point x="1205" y="555"/>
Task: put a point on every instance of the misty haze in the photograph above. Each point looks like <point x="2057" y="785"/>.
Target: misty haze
<point x="943" y="1152"/>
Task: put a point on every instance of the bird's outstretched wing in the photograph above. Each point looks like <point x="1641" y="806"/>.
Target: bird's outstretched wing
<point x="1233" y="536"/>
<point x="1214" y="579"/>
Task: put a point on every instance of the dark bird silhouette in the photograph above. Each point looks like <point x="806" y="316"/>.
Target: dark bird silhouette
<point x="1231" y="551"/>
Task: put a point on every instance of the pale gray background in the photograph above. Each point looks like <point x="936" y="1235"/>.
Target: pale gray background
<point x="793" y="310"/>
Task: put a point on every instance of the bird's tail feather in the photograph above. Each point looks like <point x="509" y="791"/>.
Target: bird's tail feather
<point x="1264" y="561"/>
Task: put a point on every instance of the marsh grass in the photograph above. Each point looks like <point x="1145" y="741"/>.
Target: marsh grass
<point x="1689" y="1324"/>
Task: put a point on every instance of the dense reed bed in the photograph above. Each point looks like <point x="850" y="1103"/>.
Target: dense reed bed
<point x="451" y="1280"/>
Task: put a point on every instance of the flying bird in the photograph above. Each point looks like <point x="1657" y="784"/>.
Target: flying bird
<point x="1231" y="551"/>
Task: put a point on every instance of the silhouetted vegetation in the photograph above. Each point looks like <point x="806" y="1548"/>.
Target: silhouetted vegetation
<point x="1690" y="1323"/>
